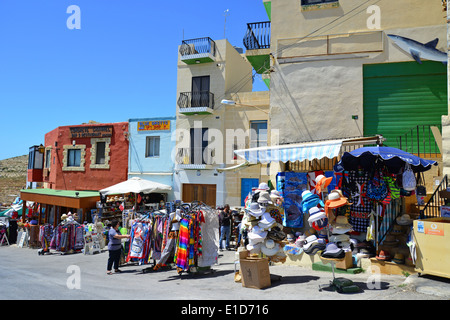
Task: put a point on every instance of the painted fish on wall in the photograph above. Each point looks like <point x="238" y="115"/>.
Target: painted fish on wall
<point x="419" y="50"/>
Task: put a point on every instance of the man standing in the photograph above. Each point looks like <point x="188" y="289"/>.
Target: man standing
<point x="225" y="227"/>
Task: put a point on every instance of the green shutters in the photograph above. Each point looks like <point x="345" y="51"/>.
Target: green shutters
<point x="400" y="96"/>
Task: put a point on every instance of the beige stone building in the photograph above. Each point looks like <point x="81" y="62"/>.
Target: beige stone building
<point x="334" y="72"/>
<point x="208" y="131"/>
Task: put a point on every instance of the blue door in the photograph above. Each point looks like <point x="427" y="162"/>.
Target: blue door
<point x="246" y="186"/>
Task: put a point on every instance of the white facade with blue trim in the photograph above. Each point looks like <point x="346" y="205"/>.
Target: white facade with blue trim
<point x="151" y="153"/>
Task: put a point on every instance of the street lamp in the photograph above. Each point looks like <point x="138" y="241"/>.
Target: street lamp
<point x="234" y="103"/>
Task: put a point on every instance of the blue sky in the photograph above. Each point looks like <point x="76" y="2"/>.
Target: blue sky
<point x="121" y="64"/>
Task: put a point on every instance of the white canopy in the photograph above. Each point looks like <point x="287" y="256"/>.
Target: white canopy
<point x="136" y="185"/>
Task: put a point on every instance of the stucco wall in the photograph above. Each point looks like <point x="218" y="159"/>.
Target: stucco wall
<point x="314" y="94"/>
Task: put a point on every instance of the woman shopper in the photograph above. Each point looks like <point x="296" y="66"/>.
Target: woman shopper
<point x="115" y="246"/>
<point x="225" y="227"/>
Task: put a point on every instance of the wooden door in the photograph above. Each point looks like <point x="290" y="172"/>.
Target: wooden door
<point x="205" y="193"/>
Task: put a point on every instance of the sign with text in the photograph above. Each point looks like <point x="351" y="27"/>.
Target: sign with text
<point x="91" y="132"/>
<point x="153" y="125"/>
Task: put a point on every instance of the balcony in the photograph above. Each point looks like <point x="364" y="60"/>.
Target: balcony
<point x="195" y="158"/>
<point x="200" y="50"/>
<point x="257" y="43"/>
<point x="193" y="103"/>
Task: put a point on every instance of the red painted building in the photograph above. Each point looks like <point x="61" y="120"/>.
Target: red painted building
<point x="85" y="157"/>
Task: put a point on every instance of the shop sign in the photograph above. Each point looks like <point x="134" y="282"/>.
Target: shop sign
<point x="153" y="125"/>
<point x="91" y="132"/>
<point x="431" y="228"/>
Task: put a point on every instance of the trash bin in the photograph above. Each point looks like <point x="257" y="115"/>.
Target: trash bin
<point x="432" y="238"/>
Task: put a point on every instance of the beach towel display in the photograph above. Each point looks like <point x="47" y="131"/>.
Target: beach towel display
<point x="189" y="244"/>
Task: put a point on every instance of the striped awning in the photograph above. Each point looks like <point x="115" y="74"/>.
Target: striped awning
<point x="292" y="152"/>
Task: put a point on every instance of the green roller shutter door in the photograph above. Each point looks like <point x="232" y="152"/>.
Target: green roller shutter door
<point x="400" y="96"/>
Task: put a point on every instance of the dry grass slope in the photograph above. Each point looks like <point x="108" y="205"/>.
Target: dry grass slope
<point x="13" y="177"/>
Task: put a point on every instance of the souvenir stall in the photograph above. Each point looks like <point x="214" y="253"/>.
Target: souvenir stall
<point x="183" y="234"/>
<point x="375" y="179"/>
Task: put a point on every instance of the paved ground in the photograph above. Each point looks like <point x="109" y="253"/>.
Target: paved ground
<point x="25" y="275"/>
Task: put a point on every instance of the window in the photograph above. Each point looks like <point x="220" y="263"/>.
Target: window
<point x="200" y="92"/>
<point x="74" y="158"/>
<point x="100" y="153"/>
<point x="152" y="147"/>
<point x="48" y="157"/>
<point x="199" y="144"/>
<point x="258" y="133"/>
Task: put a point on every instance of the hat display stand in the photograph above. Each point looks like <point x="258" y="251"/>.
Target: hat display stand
<point x="341" y="285"/>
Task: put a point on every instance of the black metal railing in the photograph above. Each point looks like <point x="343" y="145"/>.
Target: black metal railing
<point x="194" y="155"/>
<point x="257" y="35"/>
<point x="432" y="208"/>
<point x="420" y="140"/>
<point x="199" y="45"/>
<point x="196" y="99"/>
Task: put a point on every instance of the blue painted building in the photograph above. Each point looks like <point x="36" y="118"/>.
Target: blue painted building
<point x="151" y="153"/>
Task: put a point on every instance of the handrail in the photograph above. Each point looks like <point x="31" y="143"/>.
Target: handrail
<point x="196" y="99"/>
<point x="198" y="45"/>
<point x="257" y="35"/>
<point x="432" y="207"/>
<point x="420" y="140"/>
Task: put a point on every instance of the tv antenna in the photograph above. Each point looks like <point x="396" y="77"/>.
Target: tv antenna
<point x="225" y="23"/>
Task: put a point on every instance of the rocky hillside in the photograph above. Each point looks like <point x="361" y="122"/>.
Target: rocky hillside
<point x="13" y="177"/>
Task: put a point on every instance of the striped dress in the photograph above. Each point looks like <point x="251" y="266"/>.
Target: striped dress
<point x="181" y="257"/>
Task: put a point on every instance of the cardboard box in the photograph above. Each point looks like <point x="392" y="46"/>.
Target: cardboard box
<point x="255" y="273"/>
<point x="347" y="263"/>
<point x="243" y="254"/>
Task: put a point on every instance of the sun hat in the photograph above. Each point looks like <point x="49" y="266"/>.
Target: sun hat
<point x="276" y="233"/>
<point x="383" y="255"/>
<point x="317" y="218"/>
<point x="264" y="197"/>
<point x="322" y="182"/>
<point x="310" y="200"/>
<point x="275" y="194"/>
<point x="254" y="248"/>
<point x="290" y="237"/>
<point x="255" y="210"/>
<point x="399" y="258"/>
<point x="256" y="235"/>
<point x="390" y="241"/>
<point x="263" y="186"/>
<point x="333" y="251"/>
<point x="309" y="241"/>
<point x="64" y="216"/>
<point x="266" y="221"/>
<point x="404" y="220"/>
<point x="335" y="200"/>
<point x="397" y="230"/>
<point x="340" y="225"/>
<point x="270" y="247"/>
<point x="314" y="247"/>
<point x="339" y="238"/>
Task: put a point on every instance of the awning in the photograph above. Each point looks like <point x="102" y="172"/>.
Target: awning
<point x="242" y="165"/>
<point x="300" y="151"/>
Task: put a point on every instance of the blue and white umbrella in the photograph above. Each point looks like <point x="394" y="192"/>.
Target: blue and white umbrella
<point x="394" y="159"/>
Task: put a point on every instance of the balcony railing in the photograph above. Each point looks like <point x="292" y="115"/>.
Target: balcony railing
<point x="194" y="156"/>
<point x="257" y="36"/>
<point x="196" y="100"/>
<point x="198" y="46"/>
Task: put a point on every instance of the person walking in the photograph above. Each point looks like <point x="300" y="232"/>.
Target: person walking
<point x="225" y="227"/>
<point x="115" y="246"/>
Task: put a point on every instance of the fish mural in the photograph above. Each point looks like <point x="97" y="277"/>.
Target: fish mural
<point x="420" y="50"/>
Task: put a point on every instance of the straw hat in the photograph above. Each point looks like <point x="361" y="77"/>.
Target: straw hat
<point x="340" y="225"/>
<point x="404" y="220"/>
<point x="64" y="216"/>
<point x="399" y="258"/>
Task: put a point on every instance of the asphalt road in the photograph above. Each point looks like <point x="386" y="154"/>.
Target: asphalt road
<point x="25" y="275"/>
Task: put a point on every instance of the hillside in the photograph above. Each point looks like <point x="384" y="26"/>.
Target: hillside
<point x="13" y="177"/>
